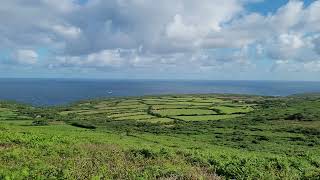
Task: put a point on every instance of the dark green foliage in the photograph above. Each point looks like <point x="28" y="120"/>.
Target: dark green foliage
<point x="218" y="111"/>
<point x="143" y="152"/>
<point x="296" y="116"/>
<point x="83" y="125"/>
<point x="40" y="122"/>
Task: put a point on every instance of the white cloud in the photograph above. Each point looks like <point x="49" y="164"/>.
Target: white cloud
<point x="25" y="57"/>
<point x="289" y="66"/>
<point x="291" y="40"/>
<point x="173" y="33"/>
<point x="67" y="31"/>
<point x="287" y="46"/>
<point x="288" y="16"/>
<point x="178" y="31"/>
<point x="104" y="58"/>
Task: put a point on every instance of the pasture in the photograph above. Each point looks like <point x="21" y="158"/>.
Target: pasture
<point x="166" y="108"/>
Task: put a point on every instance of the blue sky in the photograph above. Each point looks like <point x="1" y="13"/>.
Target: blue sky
<point x="168" y="39"/>
<point x="271" y="6"/>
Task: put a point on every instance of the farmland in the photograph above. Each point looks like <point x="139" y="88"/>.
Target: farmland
<point x="163" y="137"/>
<point x="162" y="108"/>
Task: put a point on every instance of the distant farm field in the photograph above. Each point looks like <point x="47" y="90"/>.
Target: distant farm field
<point x="164" y="108"/>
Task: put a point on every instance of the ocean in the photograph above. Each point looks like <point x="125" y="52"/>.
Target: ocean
<point x="48" y="92"/>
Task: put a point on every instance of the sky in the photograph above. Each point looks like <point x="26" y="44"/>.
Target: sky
<point x="167" y="39"/>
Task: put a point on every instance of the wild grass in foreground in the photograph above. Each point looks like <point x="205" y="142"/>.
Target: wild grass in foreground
<point x="163" y="137"/>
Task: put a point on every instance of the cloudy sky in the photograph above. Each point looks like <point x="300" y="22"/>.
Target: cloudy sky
<point x="167" y="39"/>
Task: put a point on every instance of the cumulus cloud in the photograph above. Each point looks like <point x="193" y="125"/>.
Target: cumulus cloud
<point x="129" y="34"/>
<point x="290" y="47"/>
<point x="67" y="31"/>
<point x="105" y="58"/>
<point x="178" y="31"/>
<point x="25" y="57"/>
<point x="285" y="65"/>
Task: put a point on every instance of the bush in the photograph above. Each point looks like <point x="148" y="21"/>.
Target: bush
<point x="297" y="116"/>
<point x="146" y="153"/>
<point x="40" y="123"/>
<point x="83" y="125"/>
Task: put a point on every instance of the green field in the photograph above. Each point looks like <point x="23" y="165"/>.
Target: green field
<point x="206" y="117"/>
<point x="230" y="110"/>
<point x="174" y="112"/>
<point x="163" y="137"/>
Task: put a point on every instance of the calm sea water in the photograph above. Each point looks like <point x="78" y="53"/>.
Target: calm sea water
<point x="62" y="91"/>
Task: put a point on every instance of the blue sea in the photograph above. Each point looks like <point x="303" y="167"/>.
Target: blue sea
<point x="47" y="92"/>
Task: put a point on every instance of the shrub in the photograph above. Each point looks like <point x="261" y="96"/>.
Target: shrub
<point x="40" y="123"/>
<point x="146" y="153"/>
<point x="83" y="125"/>
<point x="296" y="116"/>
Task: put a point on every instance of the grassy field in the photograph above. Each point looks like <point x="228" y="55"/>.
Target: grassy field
<point x="163" y="137"/>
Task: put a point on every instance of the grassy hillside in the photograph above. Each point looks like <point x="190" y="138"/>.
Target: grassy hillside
<point x="163" y="137"/>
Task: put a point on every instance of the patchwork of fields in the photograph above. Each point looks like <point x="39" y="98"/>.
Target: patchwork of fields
<point x="164" y="108"/>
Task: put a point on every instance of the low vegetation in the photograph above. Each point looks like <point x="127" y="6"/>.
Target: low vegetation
<point x="163" y="137"/>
